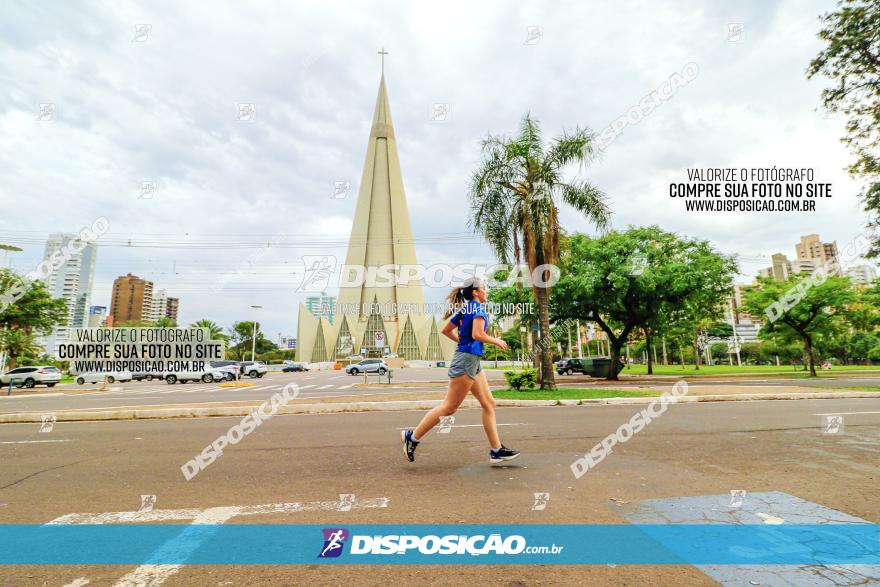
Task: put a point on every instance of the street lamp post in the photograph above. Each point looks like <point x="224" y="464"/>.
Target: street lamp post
<point x="254" y="338"/>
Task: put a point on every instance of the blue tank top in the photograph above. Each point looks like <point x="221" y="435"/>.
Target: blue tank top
<point x="464" y="319"/>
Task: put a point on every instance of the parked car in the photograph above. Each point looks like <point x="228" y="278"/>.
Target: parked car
<point x="98" y="377"/>
<point x="232" y="369"/>
<point x="368" y="366"/>
<point x="569" y="366"/>
<point x="31" y="376"/>
<point x="207" y="376"/>
<point x="254" y="368"/>
<point x="146" y="375"/>
<point x="292" y="367"/>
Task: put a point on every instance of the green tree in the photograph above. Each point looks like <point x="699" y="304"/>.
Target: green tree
<point x="29" y="305"/>
<point x="638" y="278"/>
<point x="814" y="312"/>
<point x="19" y="344"/>
<point x="215" y="330"/>
<point x="240" y="339"/>
<point x="851" y="59"/>
<point x="165" y="322"/>
<point x="514" y="197"/>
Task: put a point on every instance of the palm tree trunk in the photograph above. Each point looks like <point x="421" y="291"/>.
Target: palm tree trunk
<point x="546" y="371"/>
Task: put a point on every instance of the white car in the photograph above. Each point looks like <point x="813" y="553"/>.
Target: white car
<point x="31" y="376"/>
<point x="207" y="376"/>
<point x="98" y="377"/>
<point x="254" y="368"/>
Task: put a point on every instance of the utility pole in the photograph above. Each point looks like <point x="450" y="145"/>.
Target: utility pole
<point x="580" y="349"/>
<point x="254" y="337"/>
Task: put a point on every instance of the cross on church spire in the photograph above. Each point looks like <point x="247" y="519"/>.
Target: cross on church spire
<point x="383" y="53"/>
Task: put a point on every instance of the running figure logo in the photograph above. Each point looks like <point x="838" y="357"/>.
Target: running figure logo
<point x="334" y="541"/>
<point x="318" y="271"/>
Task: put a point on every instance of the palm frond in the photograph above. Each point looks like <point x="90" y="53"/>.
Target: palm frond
<point x="588" y="200"/>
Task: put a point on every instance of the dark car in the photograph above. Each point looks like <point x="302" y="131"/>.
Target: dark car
<point x="294" y="367"/>
<point x="569" y="366"/>
<point x="147" y="375"/>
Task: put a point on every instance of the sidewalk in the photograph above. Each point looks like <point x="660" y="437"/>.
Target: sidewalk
<point x="424" y="400"/>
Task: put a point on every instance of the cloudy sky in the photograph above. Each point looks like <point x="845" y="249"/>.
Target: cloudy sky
<point x="159" y="103"/>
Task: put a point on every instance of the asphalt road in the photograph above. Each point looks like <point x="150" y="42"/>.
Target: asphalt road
<point x="694" y="449"/>
<point x="321" y="384"/>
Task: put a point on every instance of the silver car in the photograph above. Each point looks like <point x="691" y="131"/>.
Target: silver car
<point x="31" y="376"/>
<point x="98" y="377"/>
<point x="368" y="366"/>
<point x="209" y="375"/>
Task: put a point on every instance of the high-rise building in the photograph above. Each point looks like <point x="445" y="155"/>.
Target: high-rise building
<point x="163" y="306"/>
<point x="97" y="316"/>
<point x="157" y="308"/>
<point x="132" y="299"/>
<point x="745" y="325"/>
<point x="779" y="269"/>
<point x="72" y="281"/>
<point x="862" y="274"/>
<point x="172" y="307"/>
<point x="809" y="266"/>
<point x="322" y="306"/>
<point x="825" y="254"/>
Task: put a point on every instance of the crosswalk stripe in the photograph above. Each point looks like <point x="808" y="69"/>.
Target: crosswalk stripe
<point x="326" y="386"/>
<point x="347" y="386"/>
<point x="306" y="386"/>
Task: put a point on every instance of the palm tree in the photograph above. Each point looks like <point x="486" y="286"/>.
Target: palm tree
<point x="214" y="329"/>
<point x="514" y="195"/>
<point x="19" y="343"/>
<point x="165" y="322"/>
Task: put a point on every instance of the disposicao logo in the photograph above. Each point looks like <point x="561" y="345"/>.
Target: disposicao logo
<point x="334" y="541"/>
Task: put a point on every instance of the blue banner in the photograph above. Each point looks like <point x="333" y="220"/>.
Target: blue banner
<point x="277" y="544"/>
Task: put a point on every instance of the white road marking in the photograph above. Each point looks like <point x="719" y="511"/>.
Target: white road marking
<point x="153" y="575"/>
<point x="326" y="386"/>
<point x="77" y="582"/>
<point x="306" y="386"/>
<point x="347" y="386"/>
<point x="479" y="425"/>
<point x="30" y="441"/>
<point x="193" y="513"/>
<point x="845" y="413"/>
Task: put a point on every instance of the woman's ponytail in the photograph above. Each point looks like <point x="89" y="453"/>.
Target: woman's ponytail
<point x="461" y="295"/>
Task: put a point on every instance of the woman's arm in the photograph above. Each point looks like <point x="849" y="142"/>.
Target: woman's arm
<point x="479" y="333"/>
<point x="449" y="331"/>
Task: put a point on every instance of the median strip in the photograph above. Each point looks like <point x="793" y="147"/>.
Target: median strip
<point x="205" y="411"/>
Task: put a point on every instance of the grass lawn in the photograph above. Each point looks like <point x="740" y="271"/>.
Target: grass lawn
<point x="714" y="370"/>
<point x="848" y="388"/>
<point x="570" y="393"/>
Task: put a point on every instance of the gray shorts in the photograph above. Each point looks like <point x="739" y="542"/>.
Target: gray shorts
<point x="465" y="364"/>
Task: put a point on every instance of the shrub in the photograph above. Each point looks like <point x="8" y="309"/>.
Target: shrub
<point x="524" y="379"/>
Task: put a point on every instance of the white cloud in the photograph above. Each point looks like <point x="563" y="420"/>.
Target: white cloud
<point x="165" y="109"/>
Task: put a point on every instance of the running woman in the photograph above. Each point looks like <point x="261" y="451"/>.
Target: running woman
<point x="468" y="328"/>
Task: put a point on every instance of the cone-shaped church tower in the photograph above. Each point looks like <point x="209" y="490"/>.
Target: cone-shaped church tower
<point x="380" y="314"/>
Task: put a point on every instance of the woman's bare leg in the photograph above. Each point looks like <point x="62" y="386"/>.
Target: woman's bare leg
<point x="481" y="391"/>
<point x="455" y="394"/>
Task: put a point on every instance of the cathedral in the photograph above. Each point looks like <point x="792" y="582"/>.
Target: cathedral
<point x="375" y="319"/>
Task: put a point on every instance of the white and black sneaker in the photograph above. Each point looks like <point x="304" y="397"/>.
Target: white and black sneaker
<point x="502" y="454"/>
<point x="409" y="445"/>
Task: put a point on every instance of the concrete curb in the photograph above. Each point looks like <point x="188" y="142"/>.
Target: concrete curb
<point x="399" y="405"/>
